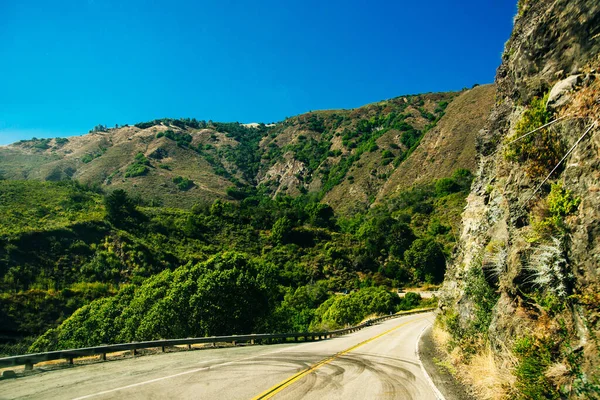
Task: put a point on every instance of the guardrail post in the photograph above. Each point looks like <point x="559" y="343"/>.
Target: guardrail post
<point x="134" y="352"/>
<point x="28" y="366"/>
<point x="233" y="342"/>
<point x="103" y="357"/>
<point x="189" y="346"/>
<point x="162" y="348"/>
<point x="70" y="360"/>
<point x="251" y="341"/>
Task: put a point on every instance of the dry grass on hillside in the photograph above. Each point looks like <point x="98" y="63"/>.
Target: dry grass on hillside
<point x="448" y="146"/>
<point x="489" y="378"/>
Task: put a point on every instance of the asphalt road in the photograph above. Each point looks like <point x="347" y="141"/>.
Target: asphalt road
<point x="378" y="362"/>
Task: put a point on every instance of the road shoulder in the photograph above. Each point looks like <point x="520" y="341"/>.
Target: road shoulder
<point x="450" y="388"/>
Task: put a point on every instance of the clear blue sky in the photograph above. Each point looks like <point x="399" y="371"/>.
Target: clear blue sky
<point x="69" y="65"/>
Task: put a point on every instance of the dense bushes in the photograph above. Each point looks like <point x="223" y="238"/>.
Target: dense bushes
<point x="143" y="246"/>
<point x="181" y="138"/>
<point x="183" y="183"/>
<point x="228" y="294"/>
<point x="342" y="310"/>
<point x="427" y="260"/>
<point x="138" y="167"/>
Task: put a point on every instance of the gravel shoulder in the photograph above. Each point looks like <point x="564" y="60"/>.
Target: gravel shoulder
<point x="451" y="388"/>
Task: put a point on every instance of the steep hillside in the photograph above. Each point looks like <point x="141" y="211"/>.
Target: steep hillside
<point x="347" y="158"/>
<point x="146" y="160"/>
<point x="450" y="144"/>
<point x="348" y="151"/>
<point x="521" y="298"/>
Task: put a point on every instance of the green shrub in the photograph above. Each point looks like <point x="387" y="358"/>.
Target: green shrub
<point x="534" y="358"/>
<point x="342" y="310"/>
<point x="387" y="154"/>
<point x="138" y="167"/>
<point x="540" y="151"/>
<point x="483" y="296"/>
<point x="409" y="301"/>
<point x="42" y="144"/>
<point x="230" y="293"/>
<point x="561" y="202"/>
<point x="549" y="218"/>
<point x="183" y="183"/>
<point x="463" y="178"/>
<point x="135" y="169"/>
<point x="446" y="186"/>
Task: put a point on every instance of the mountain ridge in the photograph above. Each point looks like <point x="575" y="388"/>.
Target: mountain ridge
<point x="328" y="153"/>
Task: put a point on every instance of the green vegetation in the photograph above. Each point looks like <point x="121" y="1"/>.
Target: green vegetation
<point x="183" y="183"/>
<point x="81" y="267"/>
<point x="110" y="256"/>
<point x="351" y="309"/>
<point x="534" y="357"/>
<point x="37" y="144"/>
<point x="138" y="167"/>
<point x="181" y="123"/>
<point x="29" y="206"/>
<point x="246" y="155"/>
<point x="471" y="335"/>
<point x="181" y="138"/>
<point x="89" y="157"/>
<point x="425" y="257"/>
<point x="359" y="131"/>
<point x="548" y="219"/>
<point x="540" y="151"/>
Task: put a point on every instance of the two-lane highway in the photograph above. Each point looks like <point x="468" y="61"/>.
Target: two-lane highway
<point x="376" y="362"/>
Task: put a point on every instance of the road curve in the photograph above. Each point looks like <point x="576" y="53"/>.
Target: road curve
<point x="378" y="362"/>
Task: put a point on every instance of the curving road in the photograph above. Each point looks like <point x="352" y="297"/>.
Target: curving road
<point x="376" y="362"/>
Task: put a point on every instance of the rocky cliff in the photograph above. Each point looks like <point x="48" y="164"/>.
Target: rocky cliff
<point x="520" y="300"/>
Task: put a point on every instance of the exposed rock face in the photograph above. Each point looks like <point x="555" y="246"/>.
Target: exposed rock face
<point x="552" y="41"/>
<point x="559" y="95"/>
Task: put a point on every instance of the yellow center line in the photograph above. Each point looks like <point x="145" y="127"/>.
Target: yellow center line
<point x="282" y="385"/>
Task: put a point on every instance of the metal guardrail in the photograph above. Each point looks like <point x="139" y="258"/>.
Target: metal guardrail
<point x="30" y="359"/>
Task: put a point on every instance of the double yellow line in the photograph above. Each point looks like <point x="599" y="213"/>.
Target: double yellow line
<point x="282" y="385"/>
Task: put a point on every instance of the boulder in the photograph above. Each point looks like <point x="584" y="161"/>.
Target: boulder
<point x="560" y="93"/>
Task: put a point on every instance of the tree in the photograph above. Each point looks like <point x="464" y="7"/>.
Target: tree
<point x="119" y="207"/>
<point x="384" y="234"/>
<point x="427" y="260"/>
<point x="320" y="215"/>
<point x="281" y="230"/>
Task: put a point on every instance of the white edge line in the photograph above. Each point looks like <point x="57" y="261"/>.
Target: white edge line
<point x="440" y="397"/>
<point x="437" y="392"/>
